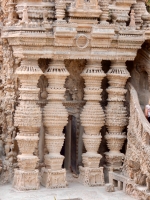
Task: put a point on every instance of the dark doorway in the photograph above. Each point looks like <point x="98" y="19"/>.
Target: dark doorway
<point x="69" y="149"/>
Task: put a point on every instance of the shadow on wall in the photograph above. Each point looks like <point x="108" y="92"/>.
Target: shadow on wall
<point x="139" y="79"/>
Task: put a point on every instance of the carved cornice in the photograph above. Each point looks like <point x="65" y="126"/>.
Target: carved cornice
<point x="68" y="43"/>
<point x="74" y="53"/>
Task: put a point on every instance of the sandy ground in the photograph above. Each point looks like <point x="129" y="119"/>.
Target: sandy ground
<point x="73" y="191"/>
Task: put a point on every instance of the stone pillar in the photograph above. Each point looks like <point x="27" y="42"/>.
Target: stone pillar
<point x="54" y="119"/>
<point x="139" y="12"/>
<point x="105" y="11"/>
<point x="116" y="114"/>
<point x="60" y="10"/>
<point x="28" y="120"/>
<point x="92" y="119"/>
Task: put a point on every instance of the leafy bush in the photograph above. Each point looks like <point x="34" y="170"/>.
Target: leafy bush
<point x="148" y="2"/>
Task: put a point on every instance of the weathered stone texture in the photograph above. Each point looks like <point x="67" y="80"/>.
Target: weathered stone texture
<point x="64" y="103"/>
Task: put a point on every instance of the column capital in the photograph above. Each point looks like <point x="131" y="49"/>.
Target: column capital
<point x="93" y="76"/>
<point x="56" y="68"/>
<point x="29" y="73"/>
<point x="29" y="67"/>
<point x="118" y="63"/>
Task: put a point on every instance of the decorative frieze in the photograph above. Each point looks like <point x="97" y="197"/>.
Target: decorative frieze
<point x="78" y="13"/>
<point x="35" y="11"/>
<point x="119" y="11"/>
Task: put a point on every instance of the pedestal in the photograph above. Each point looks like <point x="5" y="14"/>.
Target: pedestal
<point x="91" y="176"/>
<point x="26" y="180"/>
<point x="54" y="178"/>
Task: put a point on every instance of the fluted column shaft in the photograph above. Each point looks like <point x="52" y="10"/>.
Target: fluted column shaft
<point x="92" y="119"/>
<point x="27" y="119"/>
<point x="116" y="113"/>
<point x="54" y="119"/>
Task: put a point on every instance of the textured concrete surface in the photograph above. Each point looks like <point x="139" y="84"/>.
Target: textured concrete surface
<point x="75" y="190"/>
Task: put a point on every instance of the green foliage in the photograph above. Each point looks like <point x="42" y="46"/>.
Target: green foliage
<point x="148" y="2"/>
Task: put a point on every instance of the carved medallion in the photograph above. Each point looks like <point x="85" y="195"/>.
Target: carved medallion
<point x="82" y="41"/>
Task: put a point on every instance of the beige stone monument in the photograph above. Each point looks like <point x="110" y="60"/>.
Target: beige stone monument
<point x="64" y="101"/>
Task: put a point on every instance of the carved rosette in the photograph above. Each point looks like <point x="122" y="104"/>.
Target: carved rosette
<point x="92" y="119"/>
<point x="28" y="120"/>
<point x="116" y="113"/>
<point x="55" y="118"/>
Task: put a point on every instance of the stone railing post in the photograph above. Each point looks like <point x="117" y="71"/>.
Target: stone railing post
<point x="28" y="120"/>
<point x="55" y="118"/>
<point x="116" y="114"/>
<point x="92" y="119"/>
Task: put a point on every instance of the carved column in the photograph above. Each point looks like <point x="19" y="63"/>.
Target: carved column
<point x="28" y="119"/>
<point x="60" y="10"/>
<point x="139" y="12"/>
<point x="92" y="119"/>
<point x="55" y="118"/>
<point x="105" y="14"/>
<point x="116" y="113"/>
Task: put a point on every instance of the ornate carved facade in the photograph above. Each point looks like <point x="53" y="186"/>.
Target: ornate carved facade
<point x="64" y="104"/>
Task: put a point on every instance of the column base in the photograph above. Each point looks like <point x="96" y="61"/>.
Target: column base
<point x="91" y="160"/>
<point x="53" y="179"/>
<point x="26" y="180"/>
<point x="91" y="176"/>
<point x="114" y="161"/>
